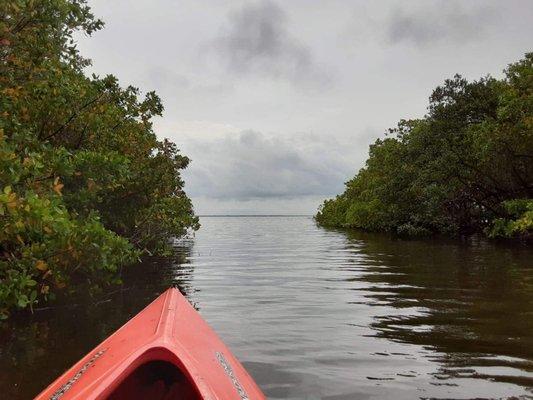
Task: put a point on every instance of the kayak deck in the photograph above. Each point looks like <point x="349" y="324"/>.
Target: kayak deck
<point x="165" y="352"/>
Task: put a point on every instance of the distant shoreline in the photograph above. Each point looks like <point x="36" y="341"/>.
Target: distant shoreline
<point x="255" y="215"/>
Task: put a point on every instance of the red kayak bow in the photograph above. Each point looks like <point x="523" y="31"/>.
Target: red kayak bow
<point x="165" y="352"/>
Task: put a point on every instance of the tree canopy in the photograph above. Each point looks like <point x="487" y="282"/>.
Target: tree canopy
<point x="466" y="167"/>
<point x="85" y="184"/>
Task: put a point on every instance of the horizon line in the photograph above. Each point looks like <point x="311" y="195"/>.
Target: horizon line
<point x="255" y="215"/>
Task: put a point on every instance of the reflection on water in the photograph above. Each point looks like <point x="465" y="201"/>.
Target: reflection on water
<point x="37" y="349"/>
<point x="320" y="314"/>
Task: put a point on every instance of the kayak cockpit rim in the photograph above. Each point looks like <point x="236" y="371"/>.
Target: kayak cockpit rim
<point x="157" y="374"/>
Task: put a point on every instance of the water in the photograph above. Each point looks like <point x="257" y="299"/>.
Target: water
<point x="319" y="314"/>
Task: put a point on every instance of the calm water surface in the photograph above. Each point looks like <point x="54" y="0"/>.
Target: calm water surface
<point x="319" y="314"/>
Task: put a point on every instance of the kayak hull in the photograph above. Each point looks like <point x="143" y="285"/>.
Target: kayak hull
<point x="166" y="352"/>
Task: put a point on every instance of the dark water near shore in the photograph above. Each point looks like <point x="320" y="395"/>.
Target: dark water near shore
<point x="319" y="314"/>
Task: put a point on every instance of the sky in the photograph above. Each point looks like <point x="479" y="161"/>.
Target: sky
<point x="276" y="102"/>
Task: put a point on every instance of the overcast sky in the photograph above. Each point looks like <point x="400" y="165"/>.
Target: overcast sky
<point x="276" y="102"/>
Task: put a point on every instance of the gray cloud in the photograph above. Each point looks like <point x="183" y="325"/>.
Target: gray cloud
<point x="222" y="66"/>
<point x="442" y="21"/>
<point x="256" y="40"/>
<point x="252" y="165"/>
<point x="171" y="83"/>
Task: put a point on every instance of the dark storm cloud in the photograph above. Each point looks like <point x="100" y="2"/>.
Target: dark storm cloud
<point x="442" y="21"/>
<point x="256" y="40"/>
<point x="252" y="165"/>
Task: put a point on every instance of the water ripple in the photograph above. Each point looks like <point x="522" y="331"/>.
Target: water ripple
<point x="328" y="314"/>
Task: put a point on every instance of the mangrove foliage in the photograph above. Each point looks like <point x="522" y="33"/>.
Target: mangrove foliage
<point x="85" y="184"/>
<point x="466" y="167"/>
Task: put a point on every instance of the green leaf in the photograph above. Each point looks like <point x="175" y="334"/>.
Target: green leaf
<point x="22" y="301"/>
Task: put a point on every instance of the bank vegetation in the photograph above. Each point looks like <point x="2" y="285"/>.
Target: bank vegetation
<point x="86" y="187"/>
<point x="465" y="168"/>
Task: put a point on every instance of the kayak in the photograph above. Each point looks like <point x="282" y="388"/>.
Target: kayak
<point x="165" y="352"/>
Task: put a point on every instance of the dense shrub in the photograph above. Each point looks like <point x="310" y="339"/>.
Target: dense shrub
<point x="85" y="185"/>
<point x="466" y="167"/>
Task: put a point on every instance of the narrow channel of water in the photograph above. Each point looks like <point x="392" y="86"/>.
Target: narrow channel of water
<point x="320" y="314"/>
